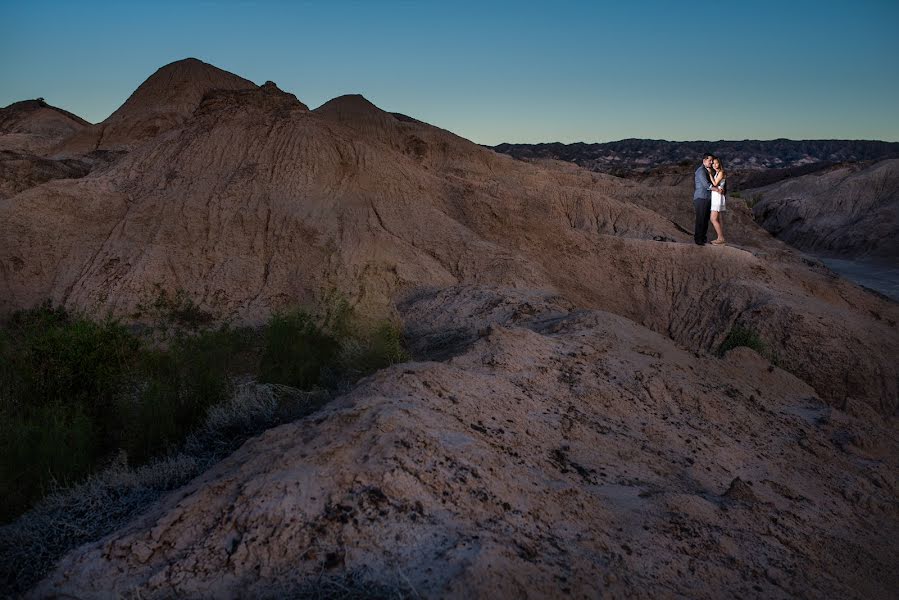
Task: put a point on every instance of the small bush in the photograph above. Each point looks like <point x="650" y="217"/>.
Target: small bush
<point x="337" y="315"/>
<point x="380" y="348"/>
<point x="746" y="337"/>
<point x="365" y="346"/>
<point x="176" y="386"/>
<point x="50" y="356"/>
<point x="60" y="376"/>
<point x="53" y="444"/>
<point x="330" y="346"/>
<point x="296" y="350"/>
<point x="176" y="311"/>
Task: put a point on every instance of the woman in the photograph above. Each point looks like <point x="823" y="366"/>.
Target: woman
<point x="718" y="201"/>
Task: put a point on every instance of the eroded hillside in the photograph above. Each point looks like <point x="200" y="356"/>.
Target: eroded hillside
<point x="567" y="423"/>
<point x="551" y="450"/>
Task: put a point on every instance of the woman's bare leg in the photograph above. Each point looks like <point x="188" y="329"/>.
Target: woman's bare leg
<point x="716" y="223"/>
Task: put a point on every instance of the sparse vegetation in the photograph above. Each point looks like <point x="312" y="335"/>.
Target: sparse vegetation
<point x="174" y="311"/>
<point x="107" y="499"/>
<point x="98" y="419"/>
<point x="296" y="351"/>
<point x="744" y="336"/>
<point x="385" y="347"/>
<point x="60" y="376"/>
<point x="74" y="393"/>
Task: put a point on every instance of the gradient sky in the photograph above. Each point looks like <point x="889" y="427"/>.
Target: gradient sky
<point x="494" y="71"/>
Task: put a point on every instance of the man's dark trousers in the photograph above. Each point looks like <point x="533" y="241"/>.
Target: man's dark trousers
<point x="703" y="208"/>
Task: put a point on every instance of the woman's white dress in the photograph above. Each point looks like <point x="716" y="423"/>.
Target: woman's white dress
<point x="718" y="200"/>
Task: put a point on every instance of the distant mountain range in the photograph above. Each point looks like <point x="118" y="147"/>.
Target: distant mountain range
<point x="758" y="162"/>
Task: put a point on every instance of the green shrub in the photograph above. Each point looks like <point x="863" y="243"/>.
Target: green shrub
<point x="176" y="386"/>
<point x="60" y="376"/>
<point x="746" y="337"/>
<point x="74" y="394"/>
<point x="176" y="311"/>
<point x="380" y="348"/>
<point x="296" y="350"/>
<point x="50" y="356"/>
<point x="365" y="346"/>
<point x="54" y="444"/>
<point x="337" y="315"/>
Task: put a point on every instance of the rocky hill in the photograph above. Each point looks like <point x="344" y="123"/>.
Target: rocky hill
<point x="28" y="131"/>
<point x="33" y="126"/>
<point x="849" y="212"/>
<point x="566" y="398"/>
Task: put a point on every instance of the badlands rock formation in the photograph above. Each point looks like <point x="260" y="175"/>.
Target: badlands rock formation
<point x="18" y="172"/>
<point x="848" y="212"/>
<point x="256" y="202"/>
<point x="566" y="425"/>
<point x="28" y="130"/>
<point x="552" y="451"/>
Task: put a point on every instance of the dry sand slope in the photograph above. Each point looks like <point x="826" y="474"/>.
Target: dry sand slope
<point x="581" y="437"/>
<point x="553" y="451"/>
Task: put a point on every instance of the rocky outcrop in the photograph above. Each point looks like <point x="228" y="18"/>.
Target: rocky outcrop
<point x="28" y="130"/>
<point x="531" y="449"/>
<point x="849" y="212"/>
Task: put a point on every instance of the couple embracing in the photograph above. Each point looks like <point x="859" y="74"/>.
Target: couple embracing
<point x="708" y="199"/>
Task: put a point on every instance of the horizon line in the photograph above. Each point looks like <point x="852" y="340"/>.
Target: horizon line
<point x="542" y="143"/>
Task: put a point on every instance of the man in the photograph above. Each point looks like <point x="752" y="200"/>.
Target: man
<point x="702" y="198"/>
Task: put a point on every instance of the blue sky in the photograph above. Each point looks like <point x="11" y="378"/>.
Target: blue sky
<point x="494" y="71"/>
